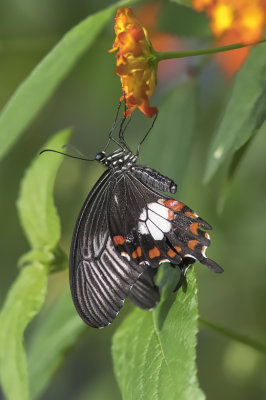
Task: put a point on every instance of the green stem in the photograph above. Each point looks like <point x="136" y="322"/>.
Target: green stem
<point x="167" y="55"/>
<point x="234" y="336"/>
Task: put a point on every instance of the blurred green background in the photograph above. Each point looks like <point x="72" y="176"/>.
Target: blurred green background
<point x="87" y="101"/>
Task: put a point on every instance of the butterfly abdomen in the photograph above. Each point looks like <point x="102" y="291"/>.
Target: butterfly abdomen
<point x="152" y="178"/>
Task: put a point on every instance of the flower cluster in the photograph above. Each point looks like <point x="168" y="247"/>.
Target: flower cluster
<point x="135" y="64"/>
<point x="234" y="21"/>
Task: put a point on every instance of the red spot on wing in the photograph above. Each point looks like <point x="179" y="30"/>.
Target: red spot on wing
<point x="137" y="252"/>
<point x="178" y="249"/>
<point x="194" y="228"/>
<point x="118" y="240"/>
<point x="174" y="204"/>
<point x="154" y="252"/>
<point x="191" y="214"/>
<point x="192" y="244"/>
<point x="171" y="214"/>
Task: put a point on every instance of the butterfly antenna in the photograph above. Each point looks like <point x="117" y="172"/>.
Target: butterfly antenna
<point x="70" y="146"/>
<point x="67" y="155"/>
<point x="146" y="134"/>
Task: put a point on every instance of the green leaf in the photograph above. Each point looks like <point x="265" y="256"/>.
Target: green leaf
<point x="23" y="302"/>
<point x="235" y="163"/>
<point x="171" y="138"/>
<point x="57" y="330"/>
<point x="36" y="208"/>
<point x="244" y="114"/>
<point x="154" y="352"/>
<point x="187" y="3"/>
<point x="36" y="90"/>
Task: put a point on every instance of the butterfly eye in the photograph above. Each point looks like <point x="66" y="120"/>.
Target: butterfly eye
<point x="100" y="156"/>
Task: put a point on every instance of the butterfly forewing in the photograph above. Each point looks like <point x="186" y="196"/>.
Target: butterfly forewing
<point x="100" y="278"/>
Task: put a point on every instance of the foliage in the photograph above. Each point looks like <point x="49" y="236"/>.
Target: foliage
<point x="26" y="296"/>
<point x="154" y="353"/>
<point x="24" y="301"/>
<point x="57" y="331"/>
<point x="244" y="113"/>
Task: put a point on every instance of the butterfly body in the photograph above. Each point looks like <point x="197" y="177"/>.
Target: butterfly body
<point x="125" y="230"/>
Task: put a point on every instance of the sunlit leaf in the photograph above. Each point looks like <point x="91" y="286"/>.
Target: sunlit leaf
<point x="57" y="331"/>
<point x="36" y="207"/>
<point x="244" y="113"/>
<point x="154" y="352"/>
<point x="36" y="90"/>
<point x="23" y="302"/>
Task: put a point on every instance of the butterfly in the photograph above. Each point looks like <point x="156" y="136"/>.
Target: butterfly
<point x="126" y="229"/>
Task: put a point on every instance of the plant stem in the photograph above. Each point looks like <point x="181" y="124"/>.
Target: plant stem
<point x="234" y="336"/>
<point x="167" y="55"/>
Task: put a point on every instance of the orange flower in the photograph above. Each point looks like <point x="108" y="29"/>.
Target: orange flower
<point x="234" y="21"/>
<point x="148" y="14"/>
<point x="135" y="62"/>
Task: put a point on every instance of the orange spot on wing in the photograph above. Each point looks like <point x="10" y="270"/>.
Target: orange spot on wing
<point x="137" y="252"/>
<point x="207" y="235"/>
<point x="171" y="253"/>
<point x="118" y="240"/>
<point x="192" y="244"/>
<point x="191" y="214"/>
<point x="174" y="204"/>
<point x="194" y="228"/>
<point x="154" y="252"/>
<point x="178" y="249"/>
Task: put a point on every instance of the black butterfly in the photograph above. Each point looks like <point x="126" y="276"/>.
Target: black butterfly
<point x="125" y="230"/>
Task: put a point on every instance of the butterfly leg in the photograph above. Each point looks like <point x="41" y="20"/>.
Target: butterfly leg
<point x="184" y="267"/>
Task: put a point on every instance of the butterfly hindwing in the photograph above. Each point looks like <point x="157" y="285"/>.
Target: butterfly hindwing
<point x="157" y="228"/>
<point x="144" y="293"/>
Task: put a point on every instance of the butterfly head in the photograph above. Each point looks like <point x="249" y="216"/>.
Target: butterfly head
<point x="119" y="158"/>
<point x="100" y="156"/>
